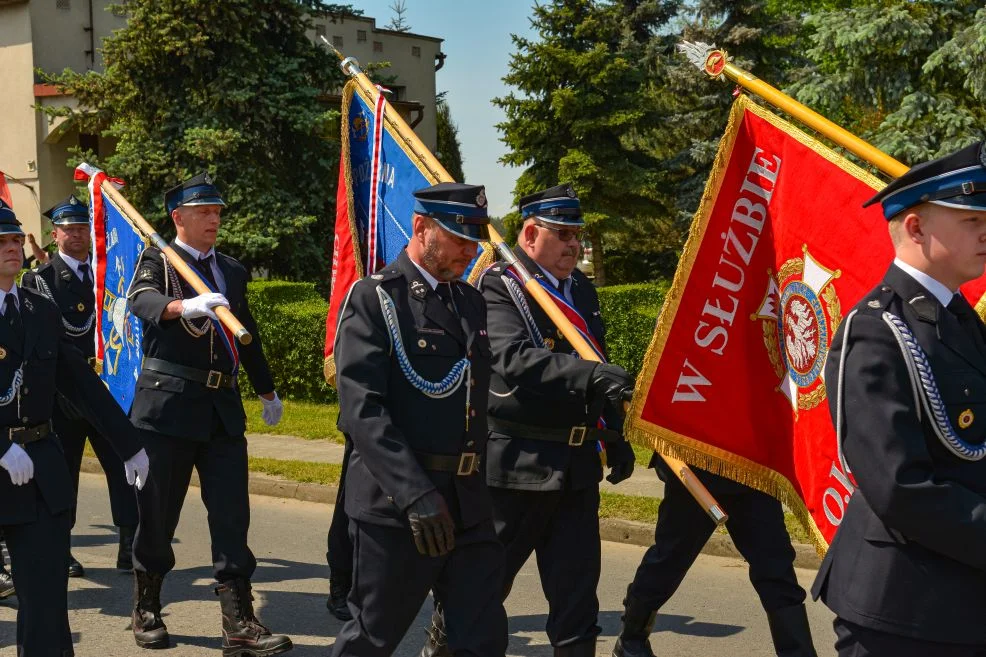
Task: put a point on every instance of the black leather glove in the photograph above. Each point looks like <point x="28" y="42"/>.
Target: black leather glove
<point x="612" y="383"/>
<point x="620" y="458"/>
<point x="432" y="525"/>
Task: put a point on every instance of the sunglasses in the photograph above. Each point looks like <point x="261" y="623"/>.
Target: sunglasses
<point x="564" y="234"/>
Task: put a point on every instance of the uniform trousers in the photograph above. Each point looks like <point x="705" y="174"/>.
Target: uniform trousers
<point x="73" y="433"/>
<point x="756" y="525"/>
<point x="42" y="590"/>
<point x="561" y="527"/>
<point x="221" y="463"/>
<point x="856" y="641"/>
<point x="391" y="581"/>
<point x="339" y="545"/>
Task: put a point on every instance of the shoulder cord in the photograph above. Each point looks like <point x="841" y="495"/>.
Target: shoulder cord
<point x="436" y="390"/>
<point x="72" y="330"/>
<point x="15" y="388"/>
<point x="513" y="288"/>
<point x="919" y="370"/>
<point x="171" y="276"/>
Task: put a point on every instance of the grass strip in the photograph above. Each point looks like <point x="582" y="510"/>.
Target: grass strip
<point x="308" y="420"/>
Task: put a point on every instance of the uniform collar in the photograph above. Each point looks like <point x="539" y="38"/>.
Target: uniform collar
<point x="431" y="280"/>
<point x="3" y="296"/>
<point x="195" y="253"/>
<point x="939" y="290"/>
<point x="72" y="263"/>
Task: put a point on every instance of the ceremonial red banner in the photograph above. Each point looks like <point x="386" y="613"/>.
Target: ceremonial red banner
<point x="779" y="252"/>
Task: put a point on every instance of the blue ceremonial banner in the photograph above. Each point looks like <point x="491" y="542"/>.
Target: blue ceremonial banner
<point x="117" y="246"/>
<point x="378" y="174"/>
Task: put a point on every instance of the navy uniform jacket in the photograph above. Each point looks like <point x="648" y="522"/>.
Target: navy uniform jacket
<point x="388" y="419"/>
<point x="175" y="406"/>
<point x="909" y="557"/>
<point x="542" y="387"/>
<point x="51" y="363"/>
<point x="74" y="299"/>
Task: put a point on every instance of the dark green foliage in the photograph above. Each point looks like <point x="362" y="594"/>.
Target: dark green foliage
<point x="449" y="151"/>
<point x="906" y="75"/>
<point x="291" y="320"/>
<point x="231" y="87"/>
<point x="291" y="317"/>
<point x="630" y="313"/>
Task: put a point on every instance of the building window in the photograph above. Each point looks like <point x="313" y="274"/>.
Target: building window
<point x="337" y="41"/>
<point x="415" y="51"/>
<point x="360" y="36"/>
<point x="64" y="5"/>
<point x="319" y="30"/>
<point x="378" y="46"/>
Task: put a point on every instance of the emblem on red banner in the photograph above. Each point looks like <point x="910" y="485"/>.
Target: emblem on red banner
<point x="800" y="313"/>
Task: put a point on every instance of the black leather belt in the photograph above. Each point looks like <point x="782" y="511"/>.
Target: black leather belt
<point x="572" y="436"/>
<point x="25" y="435"/>
<point x="464" y="464"/>
<point x="211" y="378"/>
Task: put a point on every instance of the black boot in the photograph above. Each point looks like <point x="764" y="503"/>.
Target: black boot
<point x="339" y="584"/>
<point x="243" y="635"/>
<point x="125" y="553"/>
<point x="6" y="582"/>
<point x="75" y="568"/>
<point x="149" y="629"/>
<point x="436" y="644"/>
<point x="638" y="620"/>
<point x="790" y="632"/>
<point x="583" y="649"/>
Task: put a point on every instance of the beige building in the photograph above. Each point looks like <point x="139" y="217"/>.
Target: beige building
<point x="53" y="35"/>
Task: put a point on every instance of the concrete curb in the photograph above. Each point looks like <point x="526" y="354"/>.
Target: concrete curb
<point x="610" y="529"/>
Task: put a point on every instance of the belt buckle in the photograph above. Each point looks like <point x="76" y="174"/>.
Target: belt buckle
<point x="214" y="379"/>
<point x="467" y="464"/>
<point x="11" y="431"/>
<point x="577" y="436"/>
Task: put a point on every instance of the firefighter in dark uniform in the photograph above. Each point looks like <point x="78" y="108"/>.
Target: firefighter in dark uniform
<point x="188" y="406"/>
<point x="756" y="525"/>
<point x="543" y="459"/>
<point x="37" y="496"/>
<point x="906" y="571"/>
<point x="67" y="279"/>
<point x="413" y="371"/>
<point x="339" y="548"/>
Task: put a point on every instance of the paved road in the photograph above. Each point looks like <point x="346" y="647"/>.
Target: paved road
<point x="715" y="613"/>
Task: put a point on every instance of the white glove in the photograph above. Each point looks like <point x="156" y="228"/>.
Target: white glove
<point x="273" y="410"/>
<point x="136" y="468"/>
<point x="202" y="305"/>
<point x="18" y="464"/>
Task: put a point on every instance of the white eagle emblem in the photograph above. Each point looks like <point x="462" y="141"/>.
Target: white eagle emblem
<point x="800" y="339"/>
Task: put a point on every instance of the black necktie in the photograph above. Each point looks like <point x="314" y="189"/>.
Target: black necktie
<point x="12" y="315"/>
<point x="204" y="265"/>
<point x="969" y="321"/>
<point x="561" y="286"/>
<point x="84" y="271"/>
<point x="444" y="291"/>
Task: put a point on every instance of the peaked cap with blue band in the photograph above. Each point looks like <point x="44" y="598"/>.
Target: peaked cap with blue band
<point x="556" y="205"/>
<point x="954" y="181"/>
<point x="8" y="220"/>
<point x="68" y="212"/>
<point x="456" y="207"/>
<point x="197" y="190"/>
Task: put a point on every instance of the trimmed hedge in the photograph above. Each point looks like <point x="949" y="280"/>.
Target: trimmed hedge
<point x="291" y="320"/>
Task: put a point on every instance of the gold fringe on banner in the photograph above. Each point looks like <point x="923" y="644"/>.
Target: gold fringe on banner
<point x="692" y="451"/>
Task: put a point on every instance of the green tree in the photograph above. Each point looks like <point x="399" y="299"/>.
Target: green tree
<point x="233" y="87"/>
<point x="906" y="75"/>
<point x="398" y="22"/>
<point x="449" y="149"/>
<point x="573" y="114"/>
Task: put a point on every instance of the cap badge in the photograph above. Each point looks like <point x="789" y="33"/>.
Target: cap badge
<point x="207" y="178"/>
<point x="571" y="192"/>
<point x="72" y="200"/>
<point x="481" y="198"/>
<point x="982" y="154"/>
